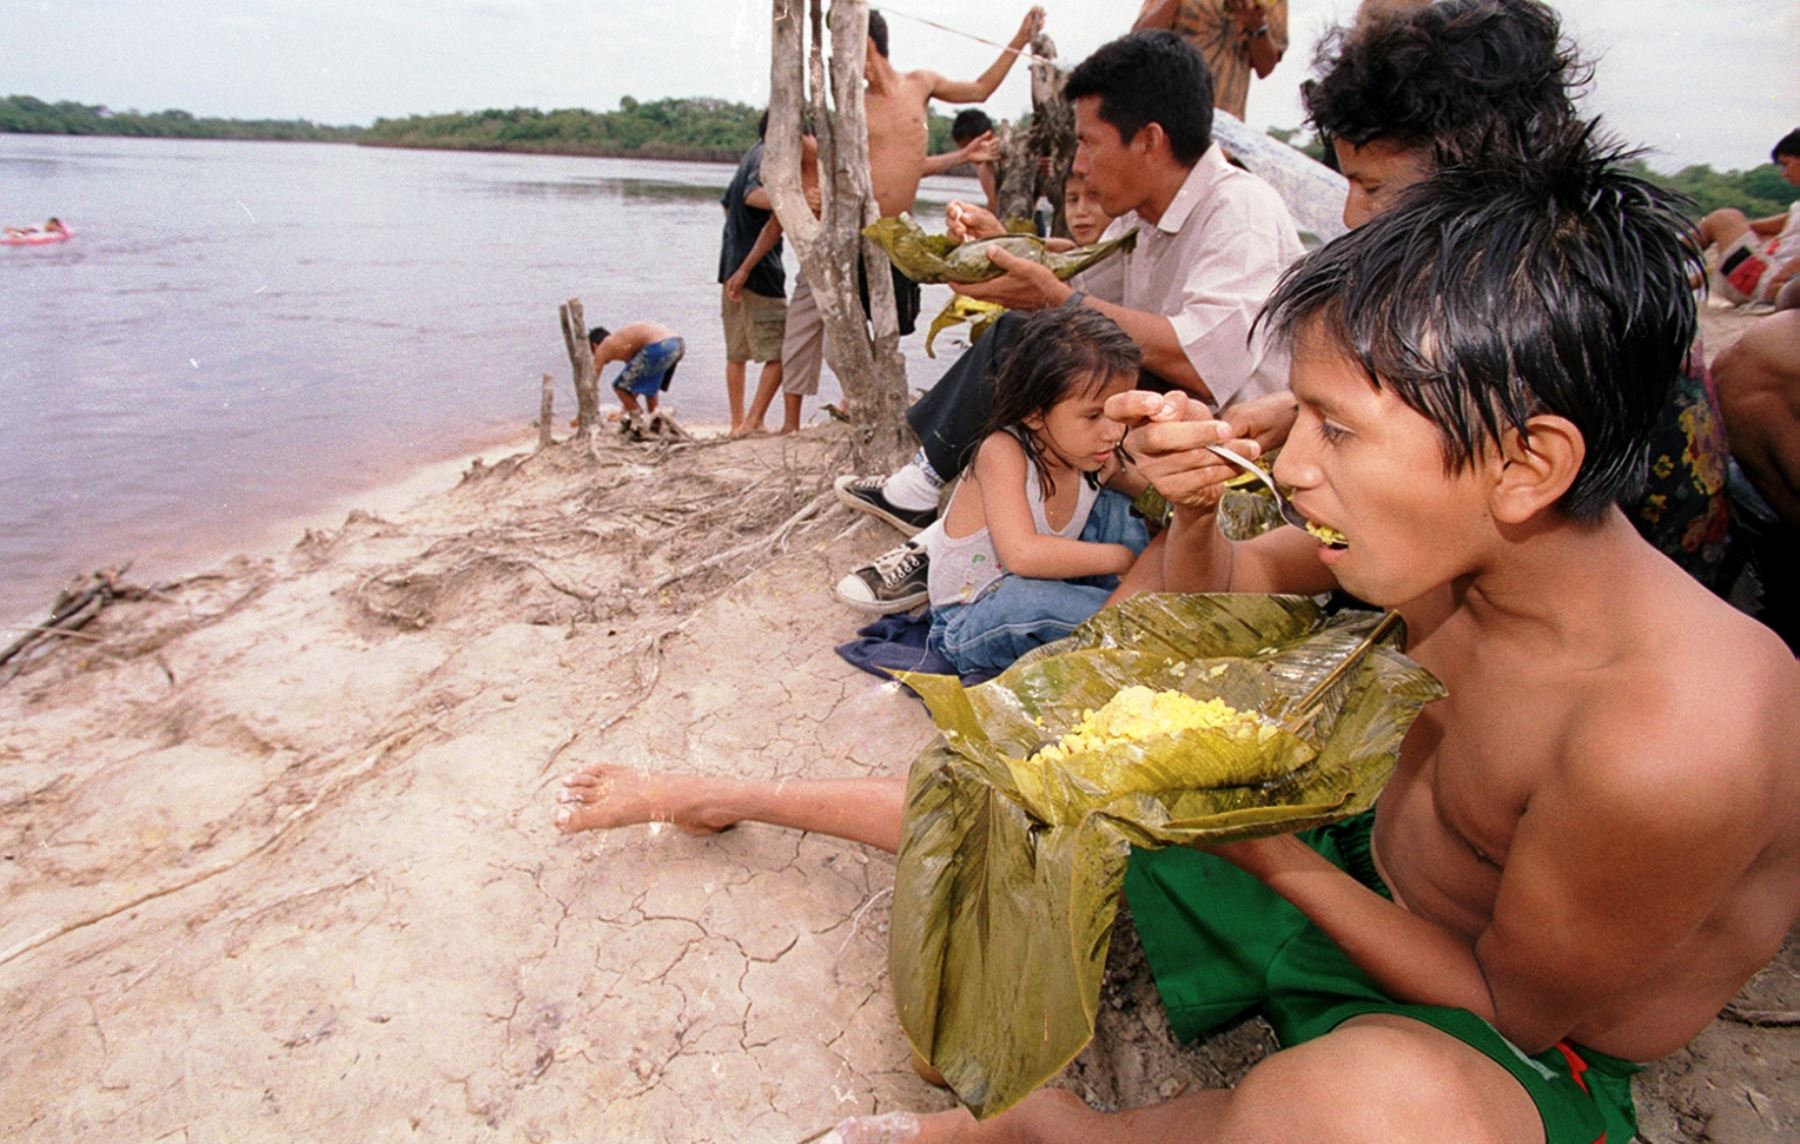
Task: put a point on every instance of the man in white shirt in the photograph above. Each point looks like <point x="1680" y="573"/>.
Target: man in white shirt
<point x="1211" y="242"/>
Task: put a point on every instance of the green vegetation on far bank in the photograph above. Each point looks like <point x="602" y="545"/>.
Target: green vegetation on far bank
<point x="685" y="129"/>
<point x="24" y="115"/>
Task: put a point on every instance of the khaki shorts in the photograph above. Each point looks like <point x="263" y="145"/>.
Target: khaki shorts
<point x="754" y="326"/>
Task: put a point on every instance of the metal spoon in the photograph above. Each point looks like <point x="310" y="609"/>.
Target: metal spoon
<point x="1288" y="512"/>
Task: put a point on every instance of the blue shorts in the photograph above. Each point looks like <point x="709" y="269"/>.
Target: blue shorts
<point x="652" y="368"/>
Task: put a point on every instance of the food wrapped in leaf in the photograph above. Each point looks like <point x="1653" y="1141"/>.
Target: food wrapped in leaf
<point x="962" y="308"/>
<point x="1021" y="816"/>
<point x="926" y="257"/>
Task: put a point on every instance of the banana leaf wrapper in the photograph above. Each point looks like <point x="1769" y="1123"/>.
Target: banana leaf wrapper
<point x="962" y="308"/>
<point x="933" y="258"/>
<point x="1009" y="873"/>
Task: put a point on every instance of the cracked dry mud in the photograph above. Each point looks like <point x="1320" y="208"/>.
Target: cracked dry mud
<point x="278" y="859"/>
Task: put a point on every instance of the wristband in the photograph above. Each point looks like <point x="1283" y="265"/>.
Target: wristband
<point x="1076" y="300"/>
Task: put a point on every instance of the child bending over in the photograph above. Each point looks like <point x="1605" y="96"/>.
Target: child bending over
<point x="1031" y="544"/>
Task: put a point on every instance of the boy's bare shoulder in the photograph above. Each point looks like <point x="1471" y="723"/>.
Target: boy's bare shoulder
<point x="1699" y="712"/>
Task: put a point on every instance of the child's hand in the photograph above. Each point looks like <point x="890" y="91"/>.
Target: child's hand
<point x="1169" y="438"/>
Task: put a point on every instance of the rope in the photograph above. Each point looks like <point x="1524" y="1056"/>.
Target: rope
<point x="1023" y="53"/>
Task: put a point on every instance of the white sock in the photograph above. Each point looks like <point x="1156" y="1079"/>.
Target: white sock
<point x="912" y="486"/>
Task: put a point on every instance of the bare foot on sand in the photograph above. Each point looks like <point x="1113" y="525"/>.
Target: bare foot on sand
<point x="901" y="1128"/>
<point x="602" y="797"/>
<point x="748" y="431"/>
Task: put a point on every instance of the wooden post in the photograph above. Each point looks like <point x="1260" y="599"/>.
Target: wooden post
<point x="581" y="362"/>
<point x="1052" y="136"/>
<point x="870" y="367"/>
<point x="547" y="414"/>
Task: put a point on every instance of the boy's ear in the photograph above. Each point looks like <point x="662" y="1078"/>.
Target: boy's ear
<point x="1536" y="470"/>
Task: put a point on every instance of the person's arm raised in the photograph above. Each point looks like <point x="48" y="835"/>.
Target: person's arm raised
<point x="1023" y="550"/>
<point x="977" y="91"/>
<point x="1028" y="285"/>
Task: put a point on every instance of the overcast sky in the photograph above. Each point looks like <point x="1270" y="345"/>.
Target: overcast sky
<point x="1713" y="81"/>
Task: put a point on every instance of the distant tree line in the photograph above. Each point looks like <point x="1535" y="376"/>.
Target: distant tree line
<point x="693" y="128"/>
<point x="23" y="115"/>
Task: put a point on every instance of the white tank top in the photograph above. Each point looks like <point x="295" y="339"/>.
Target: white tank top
<point x="962" y="566"/>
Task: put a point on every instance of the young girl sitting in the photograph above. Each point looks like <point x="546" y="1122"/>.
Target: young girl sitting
<point x="1031" y="545"/>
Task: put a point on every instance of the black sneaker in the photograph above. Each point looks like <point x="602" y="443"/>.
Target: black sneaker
<point x="895" y="581"/>
<point x="864" y="495"/>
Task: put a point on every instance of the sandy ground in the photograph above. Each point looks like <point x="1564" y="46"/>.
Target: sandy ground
<point x="278" y="858"/>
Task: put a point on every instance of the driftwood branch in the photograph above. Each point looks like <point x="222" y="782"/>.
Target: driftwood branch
<point x="581" y="363"/>
<point x="1051" y="136"/>
<point x="73" y="609"/>
<point x="830" y="244"/>
<point x="547" y="414"/>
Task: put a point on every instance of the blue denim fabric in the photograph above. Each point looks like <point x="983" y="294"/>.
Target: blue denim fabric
<point x="1017" y="613"/>
<point x="651" y="368"/>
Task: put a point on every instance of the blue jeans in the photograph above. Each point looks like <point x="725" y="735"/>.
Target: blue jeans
<point x="1017" y="613"/>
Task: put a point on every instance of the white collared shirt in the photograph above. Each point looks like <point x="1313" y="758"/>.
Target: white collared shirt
<point x="1208" y="265"/>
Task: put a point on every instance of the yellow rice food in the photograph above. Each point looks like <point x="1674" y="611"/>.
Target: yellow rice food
<point x="1328" y="535"/>
<point x="1138" y="714"/>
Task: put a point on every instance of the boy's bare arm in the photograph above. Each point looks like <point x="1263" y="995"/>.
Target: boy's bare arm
<point x="977" y="91"/>
<point x="1609" y="871"/>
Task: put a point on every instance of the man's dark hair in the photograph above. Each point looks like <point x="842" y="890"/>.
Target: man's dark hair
<point x="1789" y="145"/>
<point x="1492" y="294"/>
<point x="1464" y="79"/>
<point x="970" y="123"/>
<point x="597" y="335"/>
<point x="1150" y="77"/>
<point x="762" y="125"/>
<point x="878" y="32"/>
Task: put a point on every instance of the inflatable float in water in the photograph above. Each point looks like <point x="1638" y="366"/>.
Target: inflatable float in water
<point x="35" y="237"/>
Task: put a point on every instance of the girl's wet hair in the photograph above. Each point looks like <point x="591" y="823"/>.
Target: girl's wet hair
<point x="1488" y="295"/>
<point x="1057" y="354"/>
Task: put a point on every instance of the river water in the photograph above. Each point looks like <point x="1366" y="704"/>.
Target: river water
<point x="242" y="334"/>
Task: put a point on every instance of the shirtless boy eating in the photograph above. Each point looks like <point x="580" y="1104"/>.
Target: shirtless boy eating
<point x="1589" y="846"/>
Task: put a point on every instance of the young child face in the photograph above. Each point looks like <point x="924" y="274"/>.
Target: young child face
<point x="1076" y="433"/>
<point x="1363" y="462"/>
<point x="1082" y="212"/>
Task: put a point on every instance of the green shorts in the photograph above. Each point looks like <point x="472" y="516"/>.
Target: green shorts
<point x="1222" y="944"/>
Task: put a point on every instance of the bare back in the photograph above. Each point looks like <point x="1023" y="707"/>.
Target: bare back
<point x="1609" y="821"/>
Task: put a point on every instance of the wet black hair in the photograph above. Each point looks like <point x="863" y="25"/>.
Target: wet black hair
<point x="1463" y="79"/>
<point x="970" y="123"/>
<point x="598" y="334"/>
<point x="1491" y="294"/>
<point x="1789" y="145"/>
<point x="878" y="32"/>
<point x="1150" y="77"/>
<point x="1056" y="354"/>
<point x="762" y="125"/>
